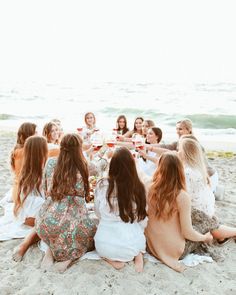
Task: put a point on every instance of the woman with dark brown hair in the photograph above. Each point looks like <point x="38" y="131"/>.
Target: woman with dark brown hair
<point x="148" y="161"/>
<point x="120" y="204"/>
<point x="121" y="125"/>
<point x="30" y="178"/>
<point x="63" y="222"/>
<point x="30" y="196"/>
<point x="169" y="214"/>
<point x="25" y="130"/>
<point x="138" y="123"/>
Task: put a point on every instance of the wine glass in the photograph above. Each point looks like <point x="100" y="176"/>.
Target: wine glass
<point x="111" y="141"/>
<point x="96" y="140"/>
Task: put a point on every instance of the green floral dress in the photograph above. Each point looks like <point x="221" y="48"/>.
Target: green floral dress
<point x="65" y="226"/>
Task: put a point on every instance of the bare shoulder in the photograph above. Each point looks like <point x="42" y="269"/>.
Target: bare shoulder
<point x="183" y="198"/>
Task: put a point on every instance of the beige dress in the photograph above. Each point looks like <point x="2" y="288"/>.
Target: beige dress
<point x="166" y="247"/>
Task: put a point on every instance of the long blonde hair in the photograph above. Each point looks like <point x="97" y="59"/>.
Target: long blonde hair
<point x="187" y="124"/>
<point x="193" y="156"/>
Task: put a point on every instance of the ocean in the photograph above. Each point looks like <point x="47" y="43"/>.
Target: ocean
<point x="211" y="107"/>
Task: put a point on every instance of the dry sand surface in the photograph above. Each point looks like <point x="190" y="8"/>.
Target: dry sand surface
<point x="97" y="277"/>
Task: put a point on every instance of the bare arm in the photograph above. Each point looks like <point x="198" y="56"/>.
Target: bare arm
<point x="128" y="134"/>
<point x="148" y="157"/>
<point x="184" y="207"/>
<point x="156" y="149"/>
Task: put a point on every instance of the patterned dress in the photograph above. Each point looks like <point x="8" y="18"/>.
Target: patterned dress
<point x="65" y="225"/>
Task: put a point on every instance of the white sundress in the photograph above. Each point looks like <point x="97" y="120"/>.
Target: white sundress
<point x="12" y="227"/>
<point x="115" y="239"/>
<point x="201" y="193"/>
<point x="148" y="167"/>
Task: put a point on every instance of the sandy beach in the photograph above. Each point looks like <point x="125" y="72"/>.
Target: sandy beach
<point x="97" y="277"/>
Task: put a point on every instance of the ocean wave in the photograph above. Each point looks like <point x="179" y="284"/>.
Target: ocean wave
<point x="7" y="117"/>
<point x="208" y="121"/>
<point x="204" y="121"/>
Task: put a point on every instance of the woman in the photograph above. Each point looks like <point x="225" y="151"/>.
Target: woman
<point x="26" y="130"/>
<point x="30" y="196"/>
<point x="138" y="122"/>
<point x="212" y="173"/>
<point x="184" y="128"/>
<point x="90" y="126"/>
<point x="169" y="214"/>
<point x="148" y="160"/>
<point x="198" y="186"/>
<point x="120" y="204"/>
<point x="60" y="128"/>
<point x="121" y="125"/>
<point x="51" y="133"/>
<point x="146" y="125"/>
<point x="63" y="222"/>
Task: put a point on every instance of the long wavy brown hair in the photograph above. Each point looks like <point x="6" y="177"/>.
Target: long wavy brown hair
<point x="30" y="179"/>
<point x="168" y="181"/>
<point x="71" y="165"/>
<point x="126" y="187"/>
<point x="25" y="130"/>
<point x="47" y="129"/>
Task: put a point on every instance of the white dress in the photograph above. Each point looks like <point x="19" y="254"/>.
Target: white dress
<point x="148" y="166"/>
<point x="12" y="227"/>
<point x="115" y="239"/>
<point x="201" y="193"/>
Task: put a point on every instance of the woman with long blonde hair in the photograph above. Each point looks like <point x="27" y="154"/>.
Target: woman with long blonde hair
<point x="197" y="180"/>
<point x="169" y="214"/>
<point x="63" y="222"/>
<point x="198" y="186"/>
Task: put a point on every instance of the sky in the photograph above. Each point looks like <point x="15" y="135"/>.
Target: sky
<point x="125" y="40"/>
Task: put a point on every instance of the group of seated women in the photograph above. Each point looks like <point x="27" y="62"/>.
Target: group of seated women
<point x="167" y="208"/>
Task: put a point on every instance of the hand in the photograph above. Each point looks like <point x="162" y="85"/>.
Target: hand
<point x="120" y="138"/>
<point x="142" y="153"/>
<point x="208" y="238"/>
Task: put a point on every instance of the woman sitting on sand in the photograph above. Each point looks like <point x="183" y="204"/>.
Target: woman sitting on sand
<point x="63" y="222"/>
<point x="120" y="204"/>
<point x="60" y="128"/>
<point x="136" y="130"/>
<point x="198" y="185"/>
<point x="169" y="214"/>
<point x="121" y="125"/>
<point x="26" y="129"/>
<point x="147" y="124"/>
<point x="184" y="129"/>
<point x="51" y="133"/>
<point x="30" y="196"/>
<point x="149" y="160"/>
<point x="90" y="126"/>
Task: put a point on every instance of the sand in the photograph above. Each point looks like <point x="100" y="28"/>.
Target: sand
<point x="97" y="277"/>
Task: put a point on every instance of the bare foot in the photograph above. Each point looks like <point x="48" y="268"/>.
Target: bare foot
<point x="116" y="264"/>
<point x="138" y="262"/>
<point x="62" y="266"/>
<point x="47" y="261"/>
<point x="19" y="252"/>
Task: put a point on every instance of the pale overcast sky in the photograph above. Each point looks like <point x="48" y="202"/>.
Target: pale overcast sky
<point x="123" y="40"/>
